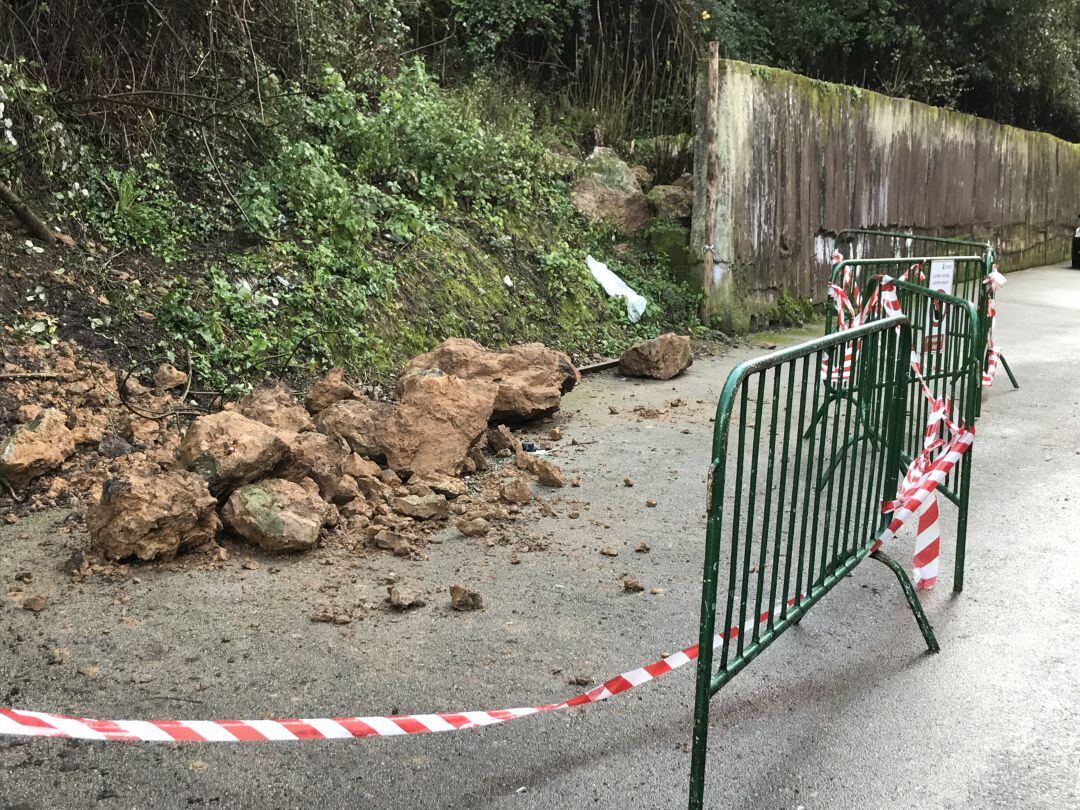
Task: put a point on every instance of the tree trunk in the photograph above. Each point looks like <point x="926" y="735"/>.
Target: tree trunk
<point x="31" y="221"/>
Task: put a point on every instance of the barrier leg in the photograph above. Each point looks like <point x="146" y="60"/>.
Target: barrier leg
<point x="912" y="598"/>
<point x="1005" y="365"/>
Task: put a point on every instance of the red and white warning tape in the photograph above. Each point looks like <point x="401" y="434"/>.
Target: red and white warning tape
<point x="926" y="472"/>
<point x="993" y="282"/>
<point x="44" y="724"/>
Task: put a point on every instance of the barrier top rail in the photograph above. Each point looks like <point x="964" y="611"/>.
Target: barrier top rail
<point x="942" y="240"/>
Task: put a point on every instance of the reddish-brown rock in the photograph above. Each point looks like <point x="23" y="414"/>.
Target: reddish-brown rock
<point x="661" y="358"/>
<point x="321" y="458"/>
<point x="531" y="378"/>
<point x="357" y="422"/>
<point x="437" y="420"/>
<point x="152" y="516"/>
<point x="230" y="450"/>
<point x="35" y="448"/>
<point x="274" y="405"/>
<point x="276" y="515"/>
<point x="330" y="389"/>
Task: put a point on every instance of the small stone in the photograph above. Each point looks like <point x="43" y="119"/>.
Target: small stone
<point x="651" y="502"/>
<point x="555" y="434"/>
<point x="609" y="551"/>
<point x="549" y="474"/>
<point x="547" y="510"/>
<point x="631" y="585"/>
<point x="516" y="490"/>
<point x="656" y="591"/>
<point x="475" y="527"/>
<point x="461" y="598"/>
<point x="330" y="389"/>
<point x="359" y="467"/>
<point x="612" y="409"/>
<point x="11" y="517"/>
<point x="396" y="542"/>
<point x="249" y="565"/>
<point x="642" y="548"/>
<point x="575" y="481"/>
<point x="628" y="481"/>
<point x="402" y="597"/>
<point x="168" y="376"/>
<point x="112" y="446"/>
<point x="574" y="515"/>
<point x="35" y="603"/>
<point x="421" y="507"/>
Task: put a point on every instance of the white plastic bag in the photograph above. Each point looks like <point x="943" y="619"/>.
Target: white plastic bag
<point x="616" y="287"/>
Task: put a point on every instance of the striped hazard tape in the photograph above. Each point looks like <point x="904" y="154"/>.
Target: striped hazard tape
<point x="915" y="495"/>
<point x="44" y="724"/>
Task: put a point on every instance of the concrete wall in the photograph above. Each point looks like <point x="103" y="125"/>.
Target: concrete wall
<point x="784" y="162"/>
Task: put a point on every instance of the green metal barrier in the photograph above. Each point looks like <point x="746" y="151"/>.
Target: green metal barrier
<point x="947" y="336"/>
<point x="857" y="242"/>
<point x="794" y="504"/>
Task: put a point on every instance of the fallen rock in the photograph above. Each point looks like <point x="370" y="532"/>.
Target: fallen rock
<point x="35" y="448"/>
<point x="548" y="473"/>
<point x="661" y="358"/>
<point x="152" y="517"/>
<point x="642" y="548"/>
<point x="35" y="603"/>
<point x="328" y="390"/>
<point x="400" y="544"/>
<point x="276" y="515"/>
<point x="435" y="423"/>
<point x="501" y="438"/>
<point x="359" y="467"/>
<point x="516" y="490"/>
<point x="609" y="551"/>
<point x="373" y="489"/>
<point x="608" y="191"/>
<point x="402" y="597"/>
<point x="672" y="202"/>
<point x="230" y="450"/>
<point x="461" y="598"/>
<point x="631" y="585"/>
<point x="357" y="422"/>
<point x="446" y="485"/>
<point x="531" y="378"/>
<point x="473" y="527"/>
<point x="421" y="507"/>
<point x="321" y="458"/>
<point x="112" y="446"/>
<point x="274" y="405"/>
<point x="168" y="376"/>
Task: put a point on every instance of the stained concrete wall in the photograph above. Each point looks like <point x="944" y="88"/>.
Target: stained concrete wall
<point x="783" y="162"/>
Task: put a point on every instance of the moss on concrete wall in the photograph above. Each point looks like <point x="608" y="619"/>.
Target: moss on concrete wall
<point x="802" y="159"/>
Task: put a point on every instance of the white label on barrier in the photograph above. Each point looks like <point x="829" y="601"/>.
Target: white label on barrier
<point x="941" y="275"/>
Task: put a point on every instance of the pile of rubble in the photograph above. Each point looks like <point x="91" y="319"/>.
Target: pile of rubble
<point x="279" y="473"/>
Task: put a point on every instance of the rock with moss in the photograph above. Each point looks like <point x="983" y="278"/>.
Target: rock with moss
<point x="674" y="202"/>
<point x="608" y="191"/>
<point x="276" y="515"/>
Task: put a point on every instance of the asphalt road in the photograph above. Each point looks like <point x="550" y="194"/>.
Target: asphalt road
<point x="846" y="710"/>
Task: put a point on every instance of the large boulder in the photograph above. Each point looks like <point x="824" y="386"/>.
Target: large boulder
<point x="330" y="389"/>
<point x="152" y="516"/>
<point x="274" y="405"/>
<point x="230" y="450"/>
<point x="436" y="421"/>
<point x="531" y="378"/>
<point x="608" y="191"/>
<point x="357" y="423"/>
<point x="661" y="358"/>
<point x="276" y="515"/>
<point x="672" y="202"/>
<point x="35" y="448"/>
